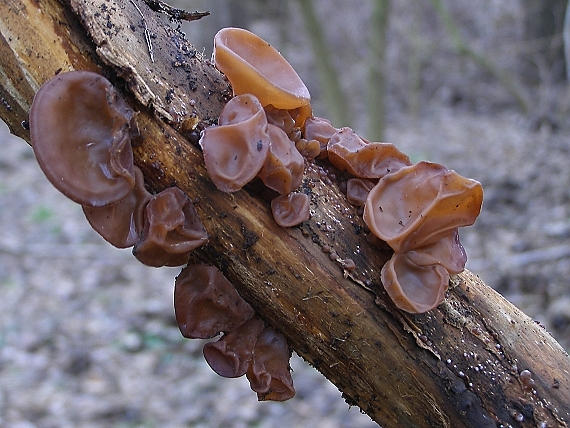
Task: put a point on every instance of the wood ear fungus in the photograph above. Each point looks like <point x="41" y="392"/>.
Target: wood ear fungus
<point x="172" y="230"/>
<point x="80" y="131"/>
<point x="253" y="66"/>
<point x="235" y="151"/>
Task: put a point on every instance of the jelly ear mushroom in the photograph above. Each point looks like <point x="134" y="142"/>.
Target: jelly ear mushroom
<point x="253" y="66"/>
<point x="206" y="303"/>
<point x="414" y="288"/>
<point x="418" y="205"/>
<point x="347" y="151"/>
<point x="80" y="131"/>
<point x="172" y="230"/>
<point x="121" y="223"/>
<point x="284" y="165"/>
<point x="231" y="355"/>
<point x="235" y="151"/>
<point x="290" y="209"/>
<point x="268" y="373"/>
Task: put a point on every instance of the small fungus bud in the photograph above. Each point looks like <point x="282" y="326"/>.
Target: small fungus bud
<point x="81" y="130"/>
<point x="268" y="373"/>
<point x="206" y="303"/>
<point x="172" y="230"/>
<point x="290" y="209"/>
<point x="317" y="128"/>
<point x="235" y="151"/>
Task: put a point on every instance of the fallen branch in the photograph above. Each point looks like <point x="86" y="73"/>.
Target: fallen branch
<point x="474" y="361"/>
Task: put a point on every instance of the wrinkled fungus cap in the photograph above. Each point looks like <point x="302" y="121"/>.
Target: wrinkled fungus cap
<point x="268" y="373"/>
<point x="418" y="205"/>
<point x="290" y="209"/>
<point x="122" y="223"/>
<point x="320" y="129"/>
<point x="231" y="355"/>
<point x="253" y="66"/>
<point x="447" y="252"/>
<point x="284" y="165"/>
<point x="411" y="287"/>
<point x="347" y="151"/>
<point x="235" y="151"/>
<point x="206" y="303"/>
<point x="80" y="133"/>
<point x="172" y="230"/>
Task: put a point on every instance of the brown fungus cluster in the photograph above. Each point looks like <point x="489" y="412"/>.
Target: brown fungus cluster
<point x="414" y="209"/>
<point x="81" y="132"/>
<point x="207" y="304"/>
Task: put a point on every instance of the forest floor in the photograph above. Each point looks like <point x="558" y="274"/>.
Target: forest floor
<point x="88" y="336"/>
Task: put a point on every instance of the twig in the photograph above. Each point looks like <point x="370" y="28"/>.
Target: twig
<point x="146" y="33"/>
<point x="174" y="13"/>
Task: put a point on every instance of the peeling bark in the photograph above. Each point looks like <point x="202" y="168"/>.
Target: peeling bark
<point x="457" y="366"/>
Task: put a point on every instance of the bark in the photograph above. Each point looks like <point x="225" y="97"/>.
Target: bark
<point x="458" y="365"/>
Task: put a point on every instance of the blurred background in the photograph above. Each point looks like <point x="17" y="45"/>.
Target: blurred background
<point x="87" y="335"/>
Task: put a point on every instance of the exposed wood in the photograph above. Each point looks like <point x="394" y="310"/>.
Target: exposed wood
<point x="459" y="365"/>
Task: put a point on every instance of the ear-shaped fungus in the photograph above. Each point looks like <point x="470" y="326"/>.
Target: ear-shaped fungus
<point x="172" y="230"/>
<point x="268" y="373"/>
<point x="253" y="66"/>
<point x="347" y="151"/>
<point x="80" y="132"/>
<point x="418" y="205"/>
<point x="447" y="252"/>
<point x="231" y="355"/>
<point x="357" y="190"/>
<point x="284" y="165"/>
<point x="235" y="151"/>
<point x="121" y="223"/>
<point x="290" y="209"/>
<point x="320" y="129"/>
<point x="206" y="303"/>
<point x="411" y="287"/>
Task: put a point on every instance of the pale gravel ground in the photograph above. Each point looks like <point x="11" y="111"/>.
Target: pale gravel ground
<point x="88" y="337"/>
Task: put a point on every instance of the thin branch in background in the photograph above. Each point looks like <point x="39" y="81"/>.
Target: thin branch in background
<point x="502" y="76"/>
<point x="335" y="100"/>
<point x="566" y="38"/>
<point x="377" y="69"/>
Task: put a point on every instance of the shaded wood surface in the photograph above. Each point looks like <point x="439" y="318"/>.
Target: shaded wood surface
<point x="458" y="365"/>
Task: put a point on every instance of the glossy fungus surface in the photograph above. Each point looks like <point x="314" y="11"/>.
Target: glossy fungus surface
<point x="320" y="129"/>
<point x="80" y="131"/>
<point x="172" y="230"/>
<point x="347" y="151"/>
<point x="284" y="165"/>
<point x="411" y="287"/>
<point x="357" y="190"/>
<point x="290" y="209"/>
<point x="231" y="355"/>
<point x="253" y="66"/>
<point x="121" y="223"/>
<point x="447" y="252"/>
<point x="235" y="151"/>
<point x="268" y="373"/>
<point x="206" y="303"/>
<point x="420" y="204"/>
